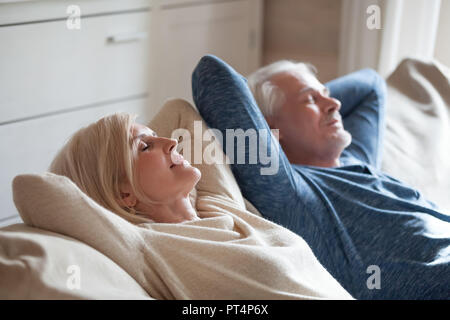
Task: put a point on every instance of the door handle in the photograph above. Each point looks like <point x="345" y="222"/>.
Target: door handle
<point x="127" y="37"/>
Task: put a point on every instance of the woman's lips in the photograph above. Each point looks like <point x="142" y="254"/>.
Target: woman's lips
<point x="177" y="159"/>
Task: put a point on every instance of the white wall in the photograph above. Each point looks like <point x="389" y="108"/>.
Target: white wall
<point x="303" y="30"/>
<point x="442" y="49"/>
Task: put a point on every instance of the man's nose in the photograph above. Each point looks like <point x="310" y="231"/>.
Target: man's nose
<point x="331" y="104"/>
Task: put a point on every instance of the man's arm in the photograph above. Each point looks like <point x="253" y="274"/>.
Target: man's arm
<point x="226" y="103"/>
<point x="362" y="95"/>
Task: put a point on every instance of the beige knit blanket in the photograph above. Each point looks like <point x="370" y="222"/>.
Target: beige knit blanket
<point x="229" y="253"/>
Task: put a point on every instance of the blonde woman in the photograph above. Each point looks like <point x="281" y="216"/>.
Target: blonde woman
<point x="128" y="169"/>
<point x="203" y="247"/>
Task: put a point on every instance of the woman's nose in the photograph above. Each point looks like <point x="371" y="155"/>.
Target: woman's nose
<point x="170" y="145"/>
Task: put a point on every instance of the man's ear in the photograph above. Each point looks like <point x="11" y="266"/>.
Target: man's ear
<point x="276" y="133"/>
<point x="273" y="128"/>
<point x="127" y="197"/>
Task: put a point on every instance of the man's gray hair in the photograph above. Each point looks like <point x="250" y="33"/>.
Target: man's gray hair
<point x="267" y="95"/>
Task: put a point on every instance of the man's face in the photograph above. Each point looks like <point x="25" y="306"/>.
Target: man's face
<point x="309" y="121"/>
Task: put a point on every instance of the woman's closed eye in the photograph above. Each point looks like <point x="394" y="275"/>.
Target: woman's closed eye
<point x="147" y="146"/>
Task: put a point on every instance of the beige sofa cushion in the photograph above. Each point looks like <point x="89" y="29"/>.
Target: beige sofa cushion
<point x="38" y="264"/>
<point x="417" y="136"/>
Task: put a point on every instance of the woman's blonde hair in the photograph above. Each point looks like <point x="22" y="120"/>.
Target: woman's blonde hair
<point x="99" y="158"/>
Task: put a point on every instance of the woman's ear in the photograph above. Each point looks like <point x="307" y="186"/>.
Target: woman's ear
<point x="127" y="197"/>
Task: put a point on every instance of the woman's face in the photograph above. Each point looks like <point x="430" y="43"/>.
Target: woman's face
<point x="162" y="172"/>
